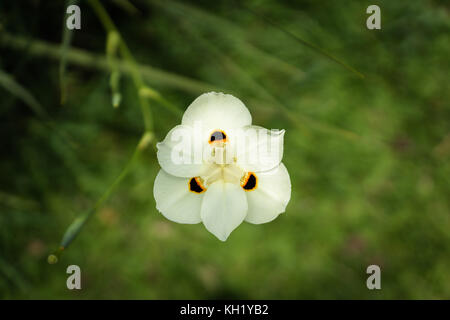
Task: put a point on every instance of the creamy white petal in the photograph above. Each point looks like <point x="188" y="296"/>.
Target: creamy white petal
<point x="257" y="149"/>
<point x="180" y="153"/>
<point x="174" y="200"/>
<point x="270" y="197"/>
<point x="223" y="209"/>
<point x="217" y="111"/>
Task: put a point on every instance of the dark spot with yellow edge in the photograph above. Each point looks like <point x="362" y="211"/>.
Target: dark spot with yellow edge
<point x="218" y="136"/>
<point x="196" y="186"/>
<point x="250" y="182"/>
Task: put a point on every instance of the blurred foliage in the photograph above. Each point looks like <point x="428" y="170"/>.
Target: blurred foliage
<point x="368" y="158"/>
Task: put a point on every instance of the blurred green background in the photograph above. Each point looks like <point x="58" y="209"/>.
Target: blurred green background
<point x="368" y="157"/>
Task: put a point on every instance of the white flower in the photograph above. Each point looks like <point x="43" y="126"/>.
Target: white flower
<point x="219" y="169"/>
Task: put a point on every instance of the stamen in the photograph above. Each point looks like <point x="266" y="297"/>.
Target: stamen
<point x="195" y="185"/>
<point x="217" y="136"/>
<point x="249" y="181"/>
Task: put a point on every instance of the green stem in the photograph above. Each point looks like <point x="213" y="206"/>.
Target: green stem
<point x="302" y="41"/>
<point x="110" y="27"/>
<point x="79" y="57"/>
<point x="74" y="229"/>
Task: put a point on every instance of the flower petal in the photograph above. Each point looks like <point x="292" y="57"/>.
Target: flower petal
<point x="223" y="208"/>
<point x="180" y="153"/>
<point x="258" y="149"/>
<point x="217" y="111"/>
<point x="270" y="197"/>
<point x="174" y="200"/>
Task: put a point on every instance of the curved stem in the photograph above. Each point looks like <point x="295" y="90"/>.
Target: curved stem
<point x="74" y="229"/>
<point x="110" y="27"/>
